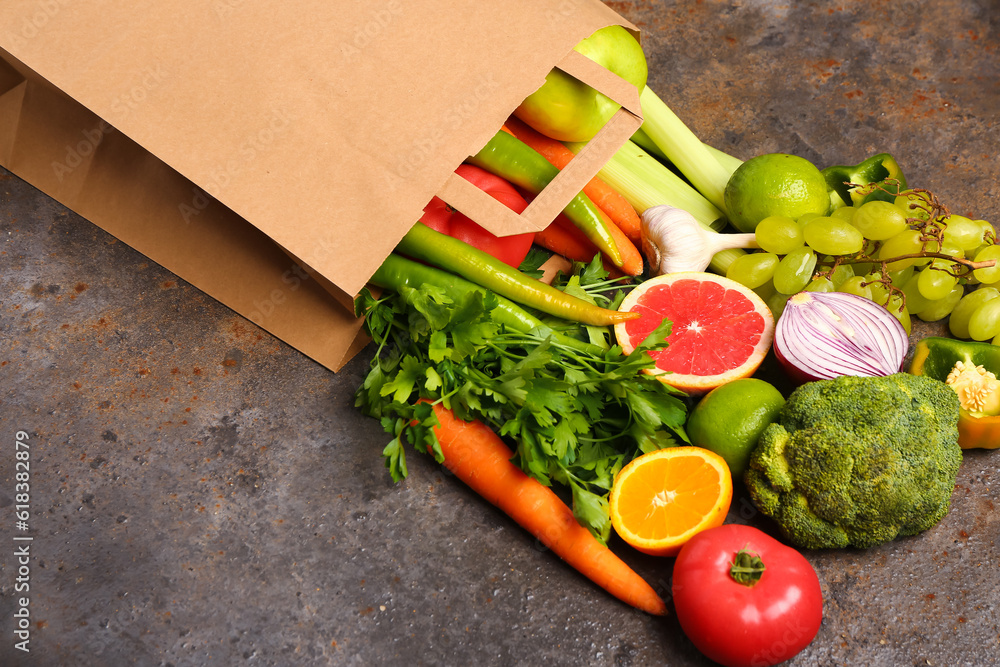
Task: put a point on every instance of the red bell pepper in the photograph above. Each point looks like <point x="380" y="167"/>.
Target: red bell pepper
<point x="441" y="217"/>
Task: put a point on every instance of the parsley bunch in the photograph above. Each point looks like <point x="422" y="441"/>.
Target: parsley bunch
<point x="576" y="418"/>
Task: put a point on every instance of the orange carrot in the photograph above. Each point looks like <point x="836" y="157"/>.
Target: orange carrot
<point x="477" y="456"/>
<point x="603" y="195"/>
<point x="562" y="238"/>
<point x="631" y="257"/>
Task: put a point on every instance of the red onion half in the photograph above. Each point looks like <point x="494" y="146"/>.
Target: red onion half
<point x="823" y="335"/>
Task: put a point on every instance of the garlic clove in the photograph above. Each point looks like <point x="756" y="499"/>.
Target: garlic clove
<point x="673" y="240"/>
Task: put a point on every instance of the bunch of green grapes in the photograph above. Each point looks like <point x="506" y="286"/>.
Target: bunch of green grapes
<point x="908" y="254"/>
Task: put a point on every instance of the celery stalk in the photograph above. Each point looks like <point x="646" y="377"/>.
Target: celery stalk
<point x="728" y="162"/>
<point x="645" y="182"/>
<point x="642" y="140"/>
<point x="683" y="148"/>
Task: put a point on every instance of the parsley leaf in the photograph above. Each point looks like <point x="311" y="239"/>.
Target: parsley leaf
<point x="591" y="510"/>
<point x="395" y="456"/>
<point x="574" y="418"/>
<point x="532" y="262"/>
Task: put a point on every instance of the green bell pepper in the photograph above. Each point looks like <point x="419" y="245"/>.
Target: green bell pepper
<point x="855" y="185"/>
<point x="937" y="357"/>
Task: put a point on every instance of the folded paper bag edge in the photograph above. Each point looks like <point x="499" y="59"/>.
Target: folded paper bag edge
<point x="497" y="218"/>
<point x="297" y="214"/>
<point x="350" y="351"/>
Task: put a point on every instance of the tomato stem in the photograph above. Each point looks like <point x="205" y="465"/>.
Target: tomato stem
<point x="747" y="568"/>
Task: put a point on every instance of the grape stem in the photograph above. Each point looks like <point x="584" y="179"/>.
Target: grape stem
<point x="886" y="281"/>
<point x="931" y="227"/>
<point x="972" y="265"/>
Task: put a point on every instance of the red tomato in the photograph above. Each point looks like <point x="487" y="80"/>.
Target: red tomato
<point x="441" y="217"/>
<point x="739" y="625"/>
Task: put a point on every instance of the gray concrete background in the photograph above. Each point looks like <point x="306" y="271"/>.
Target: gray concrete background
<point x="204" y="495"/>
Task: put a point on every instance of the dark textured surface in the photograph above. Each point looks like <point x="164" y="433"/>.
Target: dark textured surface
<point x="204" y="495"/>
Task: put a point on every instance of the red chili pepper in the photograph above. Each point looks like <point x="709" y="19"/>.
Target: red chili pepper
<point x="507" y="156"/>
<point x="441" y="217"/>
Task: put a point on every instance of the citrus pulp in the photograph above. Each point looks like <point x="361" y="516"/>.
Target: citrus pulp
<point x="662" y="499"/>
<point x="721" y="330"/>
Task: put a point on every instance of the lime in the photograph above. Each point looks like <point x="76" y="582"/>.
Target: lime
<point x="729" y="419"/>
<point x="775" y="184"/>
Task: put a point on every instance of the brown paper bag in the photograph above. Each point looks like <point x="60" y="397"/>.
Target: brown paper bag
<point x="222" y="139"/>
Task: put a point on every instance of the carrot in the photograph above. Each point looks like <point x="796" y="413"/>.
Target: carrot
<point x="562" y="238"/>
<point x="603" y="195"/>
<point x="477" y="456"/>
<point x="632" y="259"/>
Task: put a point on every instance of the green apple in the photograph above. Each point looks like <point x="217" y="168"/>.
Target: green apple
<point x="568" y="110"/>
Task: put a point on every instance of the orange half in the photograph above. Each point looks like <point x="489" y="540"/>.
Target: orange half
<point x="661" y="500"/>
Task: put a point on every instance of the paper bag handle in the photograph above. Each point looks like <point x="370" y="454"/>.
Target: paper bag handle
<point x="502" y="221"/>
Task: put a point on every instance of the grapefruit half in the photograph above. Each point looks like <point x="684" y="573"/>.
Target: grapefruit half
<point x="721" y="330"/>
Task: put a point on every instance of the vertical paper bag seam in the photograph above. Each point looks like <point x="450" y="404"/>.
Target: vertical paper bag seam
<point x="17" y="89"/>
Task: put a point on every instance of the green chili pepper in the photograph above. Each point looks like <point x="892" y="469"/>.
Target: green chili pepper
<point x="508" y="157"/>
<point x="445" y="252"/>
<point x="878" y="177"/>
<point x="397" y="271"/>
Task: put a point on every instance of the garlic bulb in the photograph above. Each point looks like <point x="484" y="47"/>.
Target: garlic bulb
<point x="673" y="240"/>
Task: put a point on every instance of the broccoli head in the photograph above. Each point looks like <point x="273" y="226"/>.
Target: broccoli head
<point x="858" y="461"/>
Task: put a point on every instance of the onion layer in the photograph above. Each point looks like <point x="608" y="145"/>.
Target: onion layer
<point x="823" y="335"/>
